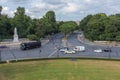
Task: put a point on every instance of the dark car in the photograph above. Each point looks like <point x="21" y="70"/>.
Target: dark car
<point x="107" y="50"/>
<point x="2" y="47"/>
<point x="30" y="45"/>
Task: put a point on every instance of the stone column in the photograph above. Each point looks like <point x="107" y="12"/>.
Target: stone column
<point x="15" y="37"/>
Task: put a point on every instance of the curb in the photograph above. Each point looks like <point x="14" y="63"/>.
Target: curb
<point x="91" y="43"/>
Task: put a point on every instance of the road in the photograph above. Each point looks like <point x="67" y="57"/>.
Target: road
<point x="51" y="49"/>
<point x="42" y="52"/>
<point x="90" y="49"/>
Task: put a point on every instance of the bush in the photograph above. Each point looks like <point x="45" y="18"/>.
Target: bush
<point x="118" y="38"/>
<point x="32" y="37"/>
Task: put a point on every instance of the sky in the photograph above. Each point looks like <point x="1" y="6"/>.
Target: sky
<point x="65" y="10"/>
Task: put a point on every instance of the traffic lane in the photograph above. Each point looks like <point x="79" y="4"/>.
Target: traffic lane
<point x="73" y="39"/>
<point x="84" y="54"/>
<point x="90" y="48"/>
<point x="90" y="53"/>
<point x="6" y="55"/>
<point x="49" y="48"/>
<point x="56" y="45"/>
<point x="75" y="42"/>
<point x="32" y="54"/>
<point x="44" y="51"/>
<point x="115" y="50"/>
<point x="58" y="36"/>
<point x="17" y="54"/>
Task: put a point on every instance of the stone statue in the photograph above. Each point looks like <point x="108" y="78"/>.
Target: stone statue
<point x="15" y="37"/>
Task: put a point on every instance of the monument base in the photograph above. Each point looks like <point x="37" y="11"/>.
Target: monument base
<point x="15" y="38"/>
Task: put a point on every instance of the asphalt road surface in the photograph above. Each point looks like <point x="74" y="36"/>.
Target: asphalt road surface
<point x="51" y="49"/>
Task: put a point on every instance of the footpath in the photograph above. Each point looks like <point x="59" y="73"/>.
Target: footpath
<point x="82" y="39"/>
<point x="11" y="44"/>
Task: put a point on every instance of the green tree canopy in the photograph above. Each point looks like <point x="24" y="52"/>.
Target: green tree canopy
<point x="0" y="9"/>
<point x="68" y="27"/>
<point x="50" y="22"/>
<point x="101" y="27"/>
<point x="21" y="21"/>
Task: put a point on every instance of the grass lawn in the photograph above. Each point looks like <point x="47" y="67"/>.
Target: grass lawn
<point x="61" y="70"/>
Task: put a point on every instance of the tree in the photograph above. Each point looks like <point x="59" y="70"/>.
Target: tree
<point x="0" y="9"/>
<point x="50" y="22"/>
<point x="117" y="38"/>
<point x="21" y="21"/>
<point x="68" y="27"/>
<point x="32" y="37"/>
<point x="101" y="27"/>
<point x="50" y="16"/>
<point x="83" y="23"/>
<point x="5" y="26"/>
<point x="20" y="11"/>
<point x="32" y="26"/>
<point x="40" y="29"/>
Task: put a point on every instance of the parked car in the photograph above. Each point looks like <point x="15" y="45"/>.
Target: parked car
<point x="63" y="49"/>
<point x="70" y="51"/>
<point x="98" y="51"/>
<point x="30" y="45"/>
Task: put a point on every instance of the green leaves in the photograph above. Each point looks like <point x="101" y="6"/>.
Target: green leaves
<point x="101" y="27"/>
<point x="21" y="21"/>
<point x="0" y="9"/>
<point x="68" y="27"/>
<point x="50" y="22"/>
<point x="50" y="16"/>
<point x="46" y="25"/>
<point x="20" y="11"/>
<point x="4" y="26"/>
<point x="32" y="37"/>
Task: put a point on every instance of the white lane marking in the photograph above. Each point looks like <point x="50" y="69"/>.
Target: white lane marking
<point x="53" y="53"/>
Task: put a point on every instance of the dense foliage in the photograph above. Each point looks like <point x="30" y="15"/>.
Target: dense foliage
<point x="33" y="29"/>
<point x="5" y="25"/>
<point x="95" y="27"/>
<point x="68" y="27"/>
<point x="101" y="27"/>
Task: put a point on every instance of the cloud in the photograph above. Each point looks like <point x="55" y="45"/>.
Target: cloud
<point x="88" y="0"/>
<point x="3" y="1"/>
<point x="70" y="8"/>
<point x="53" y="2"/>
<point x="7" y="11"/>
<point x="38" y="7"/>
<point x="64" y="9"/>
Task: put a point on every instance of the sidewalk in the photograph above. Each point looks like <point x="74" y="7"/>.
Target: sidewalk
<point x="82" y="39"/>
<point x="44" y="41"/>
<point x="17" y="44"/>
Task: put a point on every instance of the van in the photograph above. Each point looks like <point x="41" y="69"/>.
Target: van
<point x="30" y="45"/>
<point x="79" y="48"/>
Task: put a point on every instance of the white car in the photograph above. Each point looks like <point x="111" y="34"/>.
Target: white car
<point x="70" y="52"/>
<point x="98" y="50"/>
<point x="63" y="49"/>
